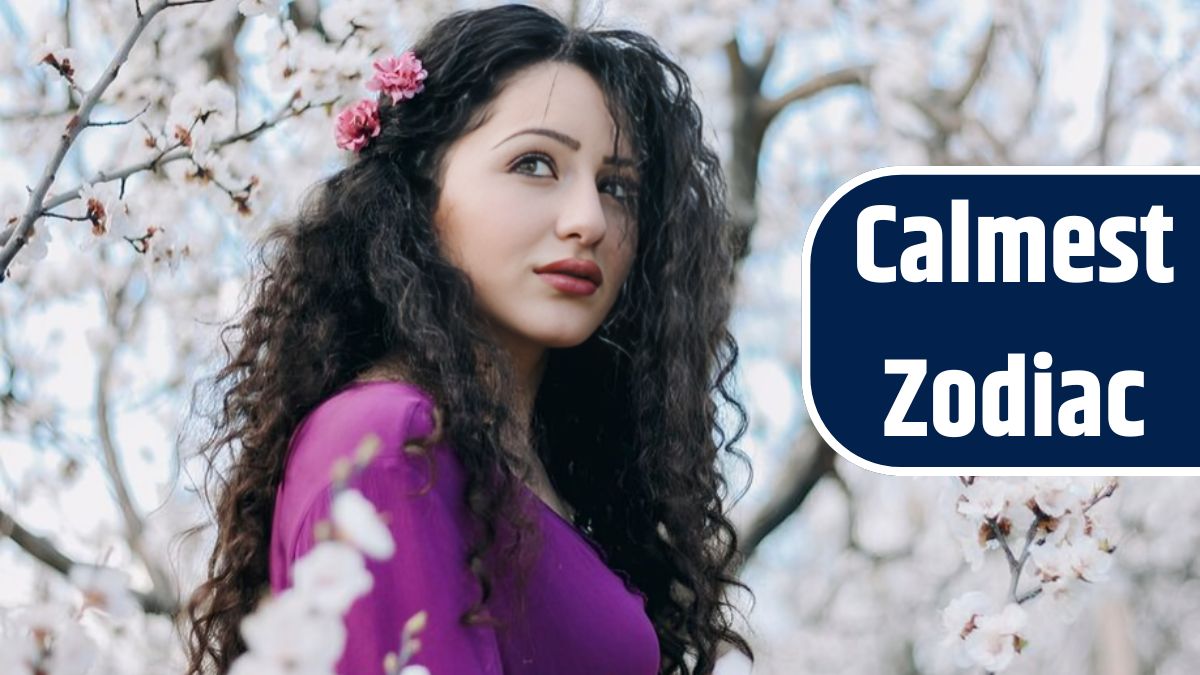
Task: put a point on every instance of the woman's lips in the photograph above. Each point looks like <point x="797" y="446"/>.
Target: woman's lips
<point x="568" y="284"/>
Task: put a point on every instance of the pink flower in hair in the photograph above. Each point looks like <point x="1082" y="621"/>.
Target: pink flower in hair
<point x="357" y="125"/>
<point x="400" y="77"/>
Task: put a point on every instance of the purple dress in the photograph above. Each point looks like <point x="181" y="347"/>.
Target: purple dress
<point x="579" y="616"/>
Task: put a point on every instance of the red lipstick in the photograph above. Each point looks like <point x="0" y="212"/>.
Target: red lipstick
<point x="572" y="275"/>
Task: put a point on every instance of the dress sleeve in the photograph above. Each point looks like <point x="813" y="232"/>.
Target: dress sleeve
<point x="427" y="572"/>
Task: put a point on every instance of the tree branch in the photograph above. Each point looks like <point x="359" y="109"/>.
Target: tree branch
<point x="46" y="552"/>
<point x="978" y="65"/>
<point x="849" y="76"/>
<point x="177" y="152"/>
<point x="77" y="123"/>
<point x="112" y="463"/>
<point x="171" y="154"/>
<point x="774" y="514"/>
<point x="134" y="523"/>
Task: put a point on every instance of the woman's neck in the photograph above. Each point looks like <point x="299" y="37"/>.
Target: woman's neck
<point x="528" y="368"/>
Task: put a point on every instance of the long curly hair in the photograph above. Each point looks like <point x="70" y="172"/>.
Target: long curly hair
<point x="358" y="276"/>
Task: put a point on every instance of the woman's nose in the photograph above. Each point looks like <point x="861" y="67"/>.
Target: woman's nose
<point x="583" y="214"/>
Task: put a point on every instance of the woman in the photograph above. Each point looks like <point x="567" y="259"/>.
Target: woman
<point x="521" y="284"/>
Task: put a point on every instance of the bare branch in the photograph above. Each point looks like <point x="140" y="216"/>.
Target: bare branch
<point x="38" y="547"/>
<point x="842" y="77"/>
<point x="765" y="62"/>
<point x="115" y="310"/>
<point x="117" y="123"/>
<point x="978" y="64"/>
<point x="63" y="216"/>
<point x="999" y="535"/>
<point x="1020" y="564"/>
<point x="808" y="444"/>
<point x="112" y="463"/>
<point x="852" y="541"/>
<point x="1108" y="115"/>
<point x="76" y="124"/>
<point x="1029" y="595"/>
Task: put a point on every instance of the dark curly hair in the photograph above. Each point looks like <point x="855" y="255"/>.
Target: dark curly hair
<point x="358" y="276"/>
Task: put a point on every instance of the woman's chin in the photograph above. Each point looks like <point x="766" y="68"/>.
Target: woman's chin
<point x="564" y="339"/>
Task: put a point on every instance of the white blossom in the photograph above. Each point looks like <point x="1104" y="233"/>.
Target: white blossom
<point x="366" y="19"/>
<point x="257" y="7"/>
<point x="1065" y="603"/>
<point x="960" y="614"/>
<point x="358" y="523"/>
<point x="50" y="46"/>
<point x="105" y="588"/>
<point x="73" y="652"/>
<point x="1055" y="495"/>
<point x="286" y="630"/>
<point x="1088" y="561"/>
<point x="993" y="642"/>
<point x="985" y="498"/>
<point x="102" y="202"/>
<point x="199" y="116"/>
<point x="1051" y="560"/>
<point x="331" y="577"/>
<point x="17" y="654"/>
<point x="37" y="247"/>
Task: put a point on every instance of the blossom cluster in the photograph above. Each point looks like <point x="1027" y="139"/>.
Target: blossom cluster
<point x="1063" y="540"/>
<point x="303" y="624"/>
<point x="48" y="638"/>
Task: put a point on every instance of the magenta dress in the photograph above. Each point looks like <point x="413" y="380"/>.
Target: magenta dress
<point x="579" y="616"/>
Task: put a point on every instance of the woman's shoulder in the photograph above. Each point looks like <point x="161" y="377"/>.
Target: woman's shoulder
<point x="386" y="407"/>
<point x="394" y="412"/>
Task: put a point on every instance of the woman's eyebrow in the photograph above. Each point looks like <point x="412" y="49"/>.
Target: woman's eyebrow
<point x="565" y="140"/>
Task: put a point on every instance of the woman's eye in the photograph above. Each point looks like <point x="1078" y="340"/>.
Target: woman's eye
<point x="625" y="189"/>
<point x="531" y="161"/>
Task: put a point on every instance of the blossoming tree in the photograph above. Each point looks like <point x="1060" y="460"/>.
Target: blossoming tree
<point x="145" y="144"/>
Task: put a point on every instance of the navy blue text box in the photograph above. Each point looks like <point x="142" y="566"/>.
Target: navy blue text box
<point x="852" y="325"/>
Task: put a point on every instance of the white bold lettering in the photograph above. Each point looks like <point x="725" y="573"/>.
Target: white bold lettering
<point x="914" y="370"/>
<point x="866" y="243"/>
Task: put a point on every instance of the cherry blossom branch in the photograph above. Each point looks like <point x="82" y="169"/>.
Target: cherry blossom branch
<point x="75" y="125"/>
<point x="178" y="151"/>
<point x="998" y="534"/>
<point x="173" y="153"/>
<point x="1020" y="567"/>
<point x="1016" y="564"/>
<point x="1109" y="489"/>
<point x="46" y="552"/>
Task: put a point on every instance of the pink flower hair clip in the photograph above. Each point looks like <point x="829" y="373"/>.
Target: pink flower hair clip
<point x="357" y="125"/>
<point x="401" y="78"/>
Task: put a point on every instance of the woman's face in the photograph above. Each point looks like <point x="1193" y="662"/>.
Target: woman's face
<point x="537" y="184"/>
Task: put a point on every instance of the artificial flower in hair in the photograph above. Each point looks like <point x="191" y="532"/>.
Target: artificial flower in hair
<point x="399" y="77"/>
<point x="357" y="125"/>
